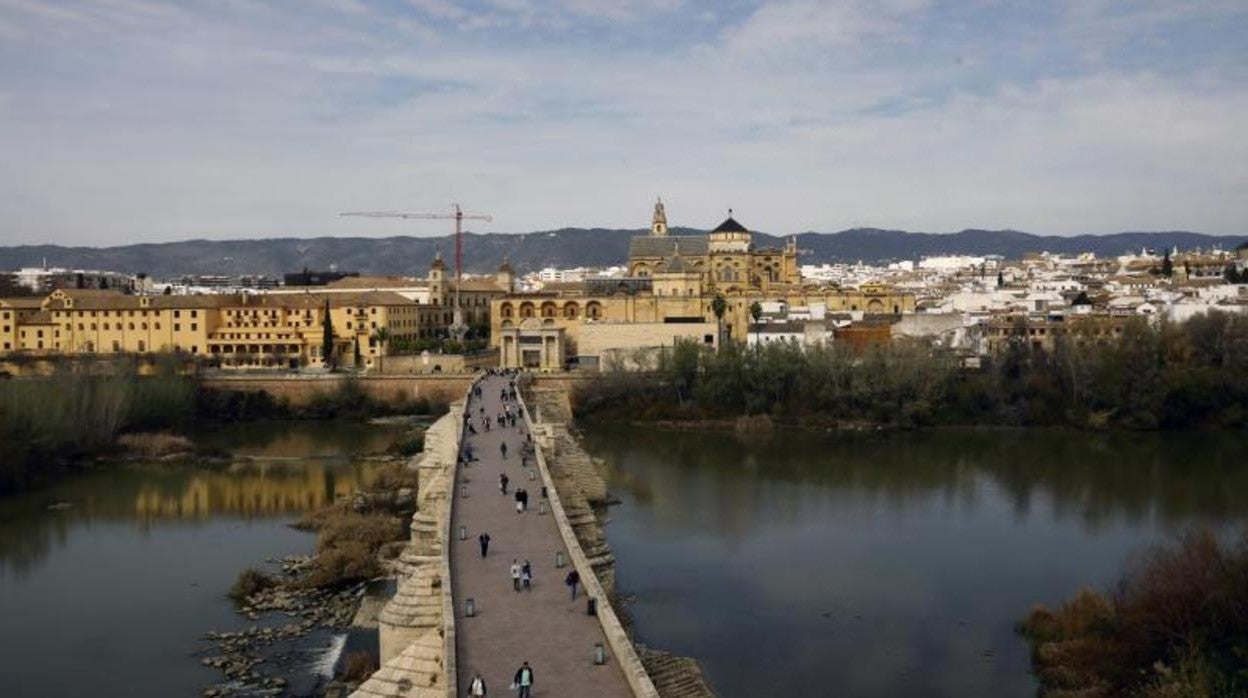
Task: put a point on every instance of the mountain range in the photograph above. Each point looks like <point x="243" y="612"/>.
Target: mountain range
<point x="564" y="248"/>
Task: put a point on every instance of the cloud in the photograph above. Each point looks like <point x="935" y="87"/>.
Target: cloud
<point x="167" y="120"/>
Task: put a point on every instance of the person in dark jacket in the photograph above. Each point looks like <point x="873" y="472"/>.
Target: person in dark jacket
<point x="484" y="540"/>
<point x="524" y="680"/>
<point x="573" y="580"/>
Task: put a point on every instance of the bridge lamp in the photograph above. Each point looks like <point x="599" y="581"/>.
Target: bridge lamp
<point x="463" y="533"/>
<point x="600" y="654"/>
<point x="559" y="560"/>
<point x="470" y="607"/>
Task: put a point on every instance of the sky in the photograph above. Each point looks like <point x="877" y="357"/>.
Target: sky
<point x="128" y="121"/>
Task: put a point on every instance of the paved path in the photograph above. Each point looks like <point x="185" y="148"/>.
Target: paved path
<point x="543" y="626"/>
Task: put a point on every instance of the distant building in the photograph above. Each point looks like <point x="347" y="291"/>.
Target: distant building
<point x="316" y="278"/>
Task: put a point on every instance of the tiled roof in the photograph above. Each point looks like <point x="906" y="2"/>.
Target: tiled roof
<point x="730" y="225"/>
<point x="374" y="282"/>
<point x="648" y="246"/>
<point x="25" y="302"/>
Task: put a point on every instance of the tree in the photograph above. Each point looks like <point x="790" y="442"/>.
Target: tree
<point x="1233" y="275"/>
<point x="1167" y="265"/>
<point x="359" y="357"/>
<point x="381" y="335"/>
<point x="756" y="312"/>
<point x="327" y="339"/>
<point x="1000" y="279"/>
<point x="719" y="306"/>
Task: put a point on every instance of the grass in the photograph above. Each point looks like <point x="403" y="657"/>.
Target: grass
<point x="155" y="444"/>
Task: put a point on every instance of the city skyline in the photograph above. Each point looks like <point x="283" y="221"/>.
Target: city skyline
<point x="143" y="121"/>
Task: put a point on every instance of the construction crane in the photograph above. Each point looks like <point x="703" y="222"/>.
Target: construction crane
<point x="458" y="329"/>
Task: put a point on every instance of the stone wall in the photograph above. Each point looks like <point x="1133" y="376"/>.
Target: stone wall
<point x="416" y="628"/>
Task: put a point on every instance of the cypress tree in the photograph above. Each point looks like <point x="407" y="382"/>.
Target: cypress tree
<point x="327" y="338"/>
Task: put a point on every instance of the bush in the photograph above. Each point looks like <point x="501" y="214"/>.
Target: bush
<point x="249" y="583"/>
<point x="347" y="545"/>
<point x="358" y="666"/>
<point x="1176" y="625"/>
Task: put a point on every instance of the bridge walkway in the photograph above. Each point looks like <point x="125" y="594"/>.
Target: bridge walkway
<point x="543" y="626"/>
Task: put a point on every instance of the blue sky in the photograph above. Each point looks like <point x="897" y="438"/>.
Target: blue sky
<point x="143" y="120"/>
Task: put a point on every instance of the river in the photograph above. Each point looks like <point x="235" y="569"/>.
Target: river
<point x="109" y="578"/>
<point x="889" y="564"/>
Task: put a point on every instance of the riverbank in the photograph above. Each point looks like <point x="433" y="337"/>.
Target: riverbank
<point x="78" y="419"/>
<point x="358" y="535"/>
<point x="1148" y="377"/>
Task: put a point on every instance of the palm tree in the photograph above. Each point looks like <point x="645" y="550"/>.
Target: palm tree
<point x="719" y="306"/>
<point x="381" y="335"/>
<point x="756" y="312"/>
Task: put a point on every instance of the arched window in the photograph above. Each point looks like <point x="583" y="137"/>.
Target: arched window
<point x="526" y="309"/>
<point x="506" y="310"/>
<point x="571" y="310"/>
<point x="549" y="309"/>
<point x="593" y="310"/>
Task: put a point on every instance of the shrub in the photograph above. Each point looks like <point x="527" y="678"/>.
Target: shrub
<point x="249" y="583"/>
<point x="358" y="666"/>
<point x="1177" y="624"/>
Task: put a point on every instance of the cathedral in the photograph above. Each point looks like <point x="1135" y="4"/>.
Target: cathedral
<point x="723" y="261"/>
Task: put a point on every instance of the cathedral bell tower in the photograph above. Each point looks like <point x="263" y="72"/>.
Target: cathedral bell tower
<point x="658" y="224"/>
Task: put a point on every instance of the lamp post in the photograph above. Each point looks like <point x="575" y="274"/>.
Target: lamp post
<point x="559" y="561"/>
<point x="600" y="654"/>
<point x="470" y="607"/>
<point x="463" y="533"/>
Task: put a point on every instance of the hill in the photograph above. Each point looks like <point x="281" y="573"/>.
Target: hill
<point x="567" y="247"/>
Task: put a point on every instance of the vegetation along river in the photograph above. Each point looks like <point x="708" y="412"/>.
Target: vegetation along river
<point x="108" y="579"/>
<point x="890" y="564"/>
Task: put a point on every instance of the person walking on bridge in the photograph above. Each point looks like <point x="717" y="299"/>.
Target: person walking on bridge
<point x="502" y="448"/>
<point x="524" y="680"/>
<point x="484" y="540"/>
<point x="572" y="580"/>
<point x="502" y="483"/>
<point x="515" y="575"/>
<point x="476" y="689"/>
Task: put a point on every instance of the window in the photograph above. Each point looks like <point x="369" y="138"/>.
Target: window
<point x="194" y="326"/>
<point x="177" y="327"/>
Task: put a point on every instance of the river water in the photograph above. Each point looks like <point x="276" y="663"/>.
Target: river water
<point x="109" y="579"/>
<point x="890" y="564"/>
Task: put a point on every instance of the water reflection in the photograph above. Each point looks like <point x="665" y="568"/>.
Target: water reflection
<point x="889" y="564"/>
<point x="315" y="467"/>
<point x="1165" y="478"/>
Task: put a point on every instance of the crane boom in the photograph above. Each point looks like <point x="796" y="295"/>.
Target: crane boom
<point x="459" y="217"/>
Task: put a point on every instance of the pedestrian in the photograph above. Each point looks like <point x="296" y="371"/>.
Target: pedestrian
<point x="524" y="499"/>
<point x="502" y="448"/>
<point x="572" y="580"/>
<point x="476" y="688"/>
<point x="526" y="575"/>
<point x="502" y="483"/>
<point x="519" y="497"/>
<point x="484" y="540"/>
<point x="515" y="575"/>
<point x="524" y="681"/>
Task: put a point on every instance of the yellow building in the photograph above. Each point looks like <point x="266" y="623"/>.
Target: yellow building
<point x="235" y="330"/>
<point x="725" y="259"/>
<point x="669" y="294"/>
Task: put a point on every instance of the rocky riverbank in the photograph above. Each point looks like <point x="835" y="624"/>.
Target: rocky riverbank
<point x="302" y="611"/>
